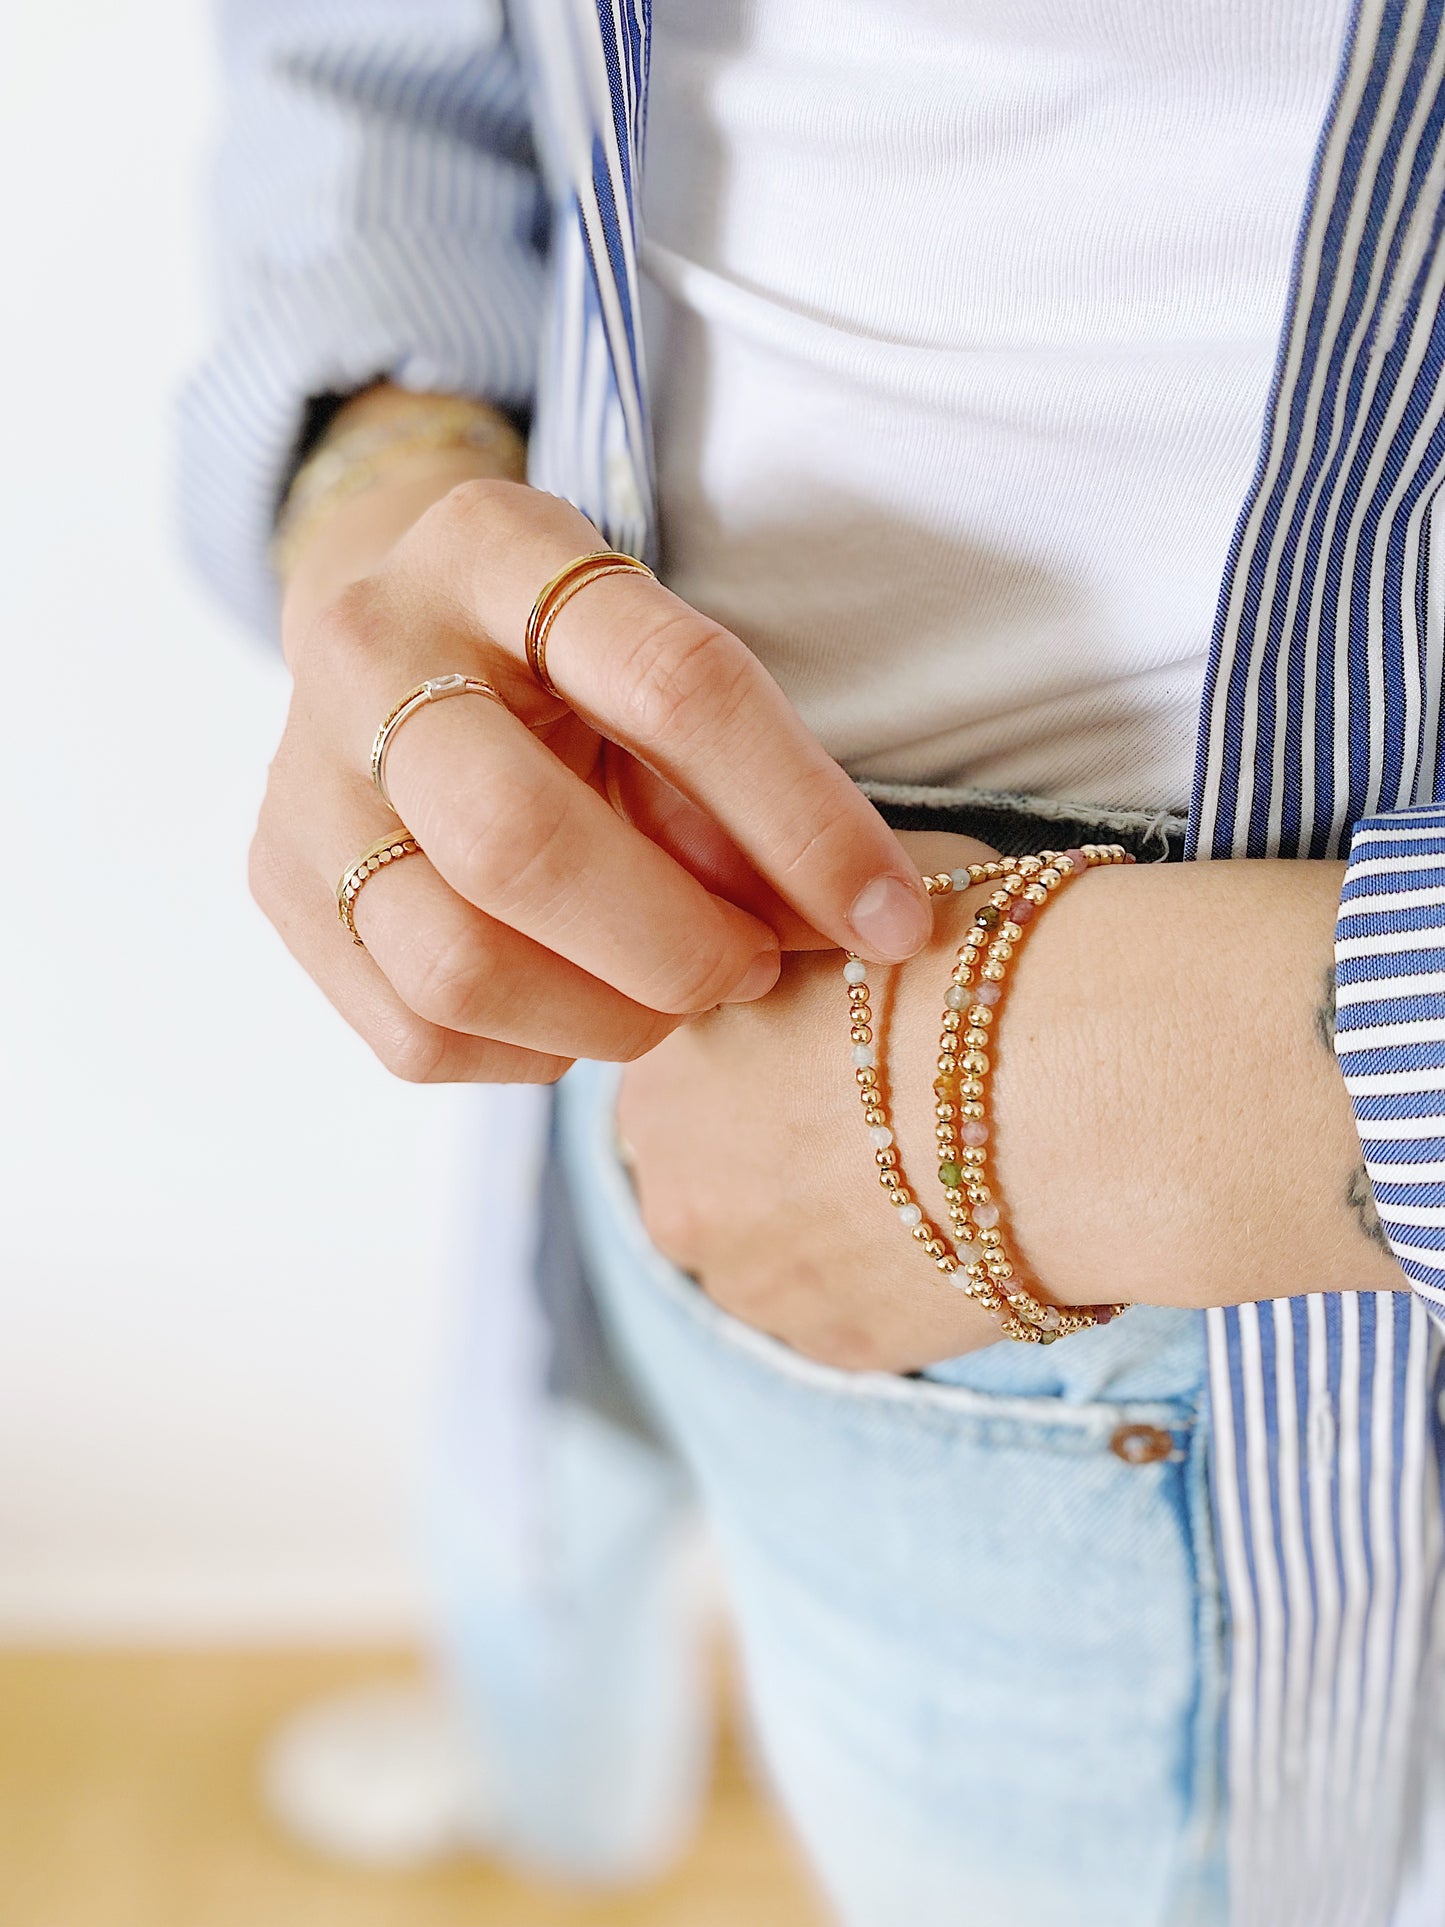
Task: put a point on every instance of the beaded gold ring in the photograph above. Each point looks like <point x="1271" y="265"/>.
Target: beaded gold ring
<point x="387" y="849"/>
<point x="979" y="1262"/>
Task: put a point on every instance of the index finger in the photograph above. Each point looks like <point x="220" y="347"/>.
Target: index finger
<point x="688" y="698"/>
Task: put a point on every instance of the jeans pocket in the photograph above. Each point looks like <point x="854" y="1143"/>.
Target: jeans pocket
<point x="980" y="1627"/>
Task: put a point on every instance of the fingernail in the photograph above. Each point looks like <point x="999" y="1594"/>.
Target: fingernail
<point x="762" y="973"/>
<point x="889" y="919"/>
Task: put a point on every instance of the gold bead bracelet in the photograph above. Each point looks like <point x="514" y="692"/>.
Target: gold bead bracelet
<point x="979" y="1261"/>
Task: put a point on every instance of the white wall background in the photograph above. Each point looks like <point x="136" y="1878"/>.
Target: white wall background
<point x="223" y="1232"/>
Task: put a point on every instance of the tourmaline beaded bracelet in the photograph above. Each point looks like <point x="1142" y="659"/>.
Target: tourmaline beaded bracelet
<point x="979" y="1259"/>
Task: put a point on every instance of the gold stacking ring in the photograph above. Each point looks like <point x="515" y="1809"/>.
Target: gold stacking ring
<point x="555" y="596"/>
<point x="434" y="690"/>
<point x="387" y="849"/>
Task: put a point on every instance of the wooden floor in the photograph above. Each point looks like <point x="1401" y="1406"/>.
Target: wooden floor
<point x="127" y="1799"/>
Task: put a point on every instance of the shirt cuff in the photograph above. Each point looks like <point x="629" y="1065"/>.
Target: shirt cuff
<point x="1390" y="1029"/>
<point x="411" y="308"/>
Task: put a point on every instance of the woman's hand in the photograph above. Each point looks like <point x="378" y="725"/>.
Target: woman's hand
<point x="754" y="1171"/>
<point x="543" y="923"/>
<point x="1170" y="1123"/>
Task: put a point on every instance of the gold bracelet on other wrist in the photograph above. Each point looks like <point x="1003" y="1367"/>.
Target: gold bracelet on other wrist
<point x="350" y="462"/>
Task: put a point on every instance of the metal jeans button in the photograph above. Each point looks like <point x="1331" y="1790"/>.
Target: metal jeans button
<point x="1142" y="1444"/>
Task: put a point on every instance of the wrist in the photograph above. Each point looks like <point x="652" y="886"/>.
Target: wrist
<point x="385" y="459"/>
<point x="1026" y="1058"/>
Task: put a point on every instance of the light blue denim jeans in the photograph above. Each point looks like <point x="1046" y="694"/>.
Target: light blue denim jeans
<point x="977" y="1609"/>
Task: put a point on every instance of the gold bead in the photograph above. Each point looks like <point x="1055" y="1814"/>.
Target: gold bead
<point x="945" y="1110"/>
<point x="999" y="899"/>
<point x="975" y="1062"/>
<point x="935" y="1247"/>
<point x="866" y="1076"/>
<point x="890" y="1180"/>
<point x="980" y="1014"/>
<point x="975" y="1037"/>
<point x="1029" y="866"/>
<point x="1013" y="883"/>
<point x="902" y="1195"/>
<point x="922" y="1231"/>
<point x="992" y="972"/>
<point x="1036" y="893"/>
<point x="874" y="1117"/>
<point x="972" y="1109"/>
<point x="973" y="1154"/>
<point x="947" y="1064"/>
<point x="970" y="1087"/>
<point x="1001" y="951"/>
<point x="888" y="1158"/>
<point x="946" y="1264"/>
<point x="1050" y="877"/>
<point x="861" y="1034"/>
<point x="1010" y="932"/>
<point x="951" y="1020"/>
<point x="993" y="1236"/>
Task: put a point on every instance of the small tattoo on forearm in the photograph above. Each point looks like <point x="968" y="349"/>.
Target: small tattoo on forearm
<point x="1325" y="1012"/>
<point x="1361" y="1200"/>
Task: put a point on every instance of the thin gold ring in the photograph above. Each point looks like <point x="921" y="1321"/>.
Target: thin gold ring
<point x="554" y="596"/>
<point x="386" y="849"/>
<point x="434" y="690"/>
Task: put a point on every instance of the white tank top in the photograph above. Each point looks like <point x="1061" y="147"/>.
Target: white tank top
<point x="961" y="321"/>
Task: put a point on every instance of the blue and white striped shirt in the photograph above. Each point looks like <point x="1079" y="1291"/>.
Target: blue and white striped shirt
<point x="384" y="212"/>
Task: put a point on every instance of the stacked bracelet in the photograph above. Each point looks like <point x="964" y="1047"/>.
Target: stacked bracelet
<point x="866" y="1070"/>
<point x="980" y="1261"/>
<point x="352" y="459"/>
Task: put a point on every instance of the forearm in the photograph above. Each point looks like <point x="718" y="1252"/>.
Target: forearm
<point x="1172" y="1124"/>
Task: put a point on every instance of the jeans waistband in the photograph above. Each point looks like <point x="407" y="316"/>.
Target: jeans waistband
<point x="1013" y="822"/>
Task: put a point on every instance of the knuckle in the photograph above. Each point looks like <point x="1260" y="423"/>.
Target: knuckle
<point x="442" y="982"/>
<point x="697" y="978"/>
<point x="645" y="1037"/>
<point x="482" y="502"/>
<point x="350" y="628"/>
<point x="821" y="835"/>
<point x="415" y="1053"/>
<point x="513" y="857"/>
<point x="681" y="674"/>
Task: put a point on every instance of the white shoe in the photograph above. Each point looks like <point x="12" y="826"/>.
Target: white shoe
<point x="381" y="1776"/>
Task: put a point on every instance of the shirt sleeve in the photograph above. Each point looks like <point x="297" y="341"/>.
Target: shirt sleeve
<point x="376" y="212"/>
<point x="1390" y="1029"/>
